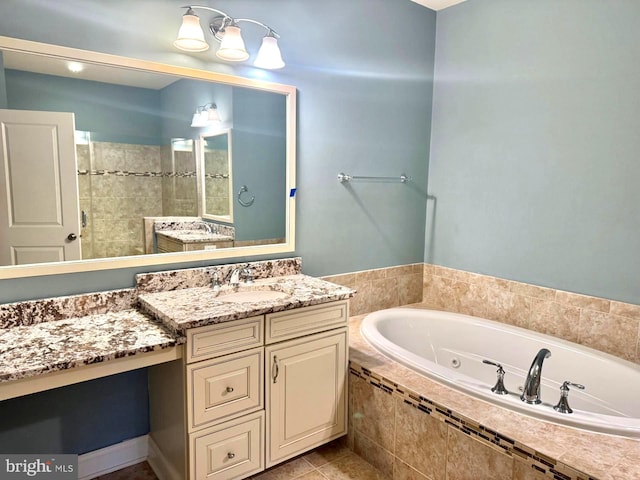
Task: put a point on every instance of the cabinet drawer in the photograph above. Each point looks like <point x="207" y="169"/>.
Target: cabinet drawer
<point x="234" y="449"/>
<point x="222" y="338"/>
<point x="224" y="388"/>
<point x="304" y="321"/>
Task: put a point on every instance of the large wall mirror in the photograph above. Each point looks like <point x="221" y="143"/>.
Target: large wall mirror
<point x="103" y="164"/>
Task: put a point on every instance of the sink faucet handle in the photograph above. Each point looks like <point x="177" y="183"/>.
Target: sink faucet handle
<point x="563" y="403"/>
<point x="499" y="387"/>
<point x="247" y="275"/>
<point x="215" y="282"/>
<point x="567" y="383"/>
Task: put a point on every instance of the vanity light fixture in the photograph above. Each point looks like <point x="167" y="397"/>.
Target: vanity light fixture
<point x="225" y="29"/>
<point x="205" y="116"/>
<point x="75" y="67"/>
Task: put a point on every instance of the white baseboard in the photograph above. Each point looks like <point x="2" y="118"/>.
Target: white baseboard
<point x="163" y="469"/>
<point x="113" y="457"/>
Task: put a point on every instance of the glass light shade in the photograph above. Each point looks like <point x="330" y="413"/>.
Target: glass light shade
<point x="212" y="115"/>
<point x="199" y="120"/>
<point x="269" y="55"/>
<point x="232" y="45"/>
<point x="190" y="35"/>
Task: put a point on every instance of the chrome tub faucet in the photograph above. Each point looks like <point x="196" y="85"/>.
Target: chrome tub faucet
<point x="531" y="392"/>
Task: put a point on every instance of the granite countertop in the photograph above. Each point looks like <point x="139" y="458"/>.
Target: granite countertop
<point x="200" y="306"/>
<point x="31" y="350"/>
<point x="194" y="236"/>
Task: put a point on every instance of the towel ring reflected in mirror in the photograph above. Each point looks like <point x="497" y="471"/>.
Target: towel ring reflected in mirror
<point x="245" y="203"/>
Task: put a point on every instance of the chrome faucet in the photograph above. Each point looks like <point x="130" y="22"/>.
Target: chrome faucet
<point x="531" y="392"/>
<point x="234" y="277"/>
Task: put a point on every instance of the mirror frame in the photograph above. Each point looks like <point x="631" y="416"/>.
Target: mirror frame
<point x="202" y="184"/>
<point x="96" y="58"/>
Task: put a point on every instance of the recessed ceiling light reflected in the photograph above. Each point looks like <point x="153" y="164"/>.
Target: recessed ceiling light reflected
<point x="75" y="67"/>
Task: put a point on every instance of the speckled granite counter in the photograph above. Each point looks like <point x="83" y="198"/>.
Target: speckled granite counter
<point x="40" y="338"/>
<point x="31" y="350"/>
<point x="194" y="236"/>
<point x="200" y="306"/>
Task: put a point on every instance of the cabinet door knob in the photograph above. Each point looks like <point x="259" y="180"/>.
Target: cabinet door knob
<point x="229" y="389"/>
<point x="231" y="455"/>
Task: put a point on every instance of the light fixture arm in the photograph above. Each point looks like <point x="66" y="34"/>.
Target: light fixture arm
<point x="225" y="29"/>
<point x="270" y="31"/>
<point x="223" y="20"/>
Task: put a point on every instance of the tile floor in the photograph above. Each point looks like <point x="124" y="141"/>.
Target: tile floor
<point x="333" y="461"/>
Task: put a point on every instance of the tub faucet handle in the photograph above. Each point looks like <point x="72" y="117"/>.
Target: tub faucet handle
<point x="499" y="388"/>
<point x="563" y="403"/>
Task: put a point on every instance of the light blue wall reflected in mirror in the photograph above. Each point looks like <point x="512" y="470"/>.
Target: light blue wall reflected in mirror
<point x="129" y="169"/>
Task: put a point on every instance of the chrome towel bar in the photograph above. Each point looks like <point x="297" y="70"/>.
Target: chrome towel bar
<point x="343" y="178"/>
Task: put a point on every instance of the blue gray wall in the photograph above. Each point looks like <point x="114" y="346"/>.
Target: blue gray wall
<point x="534" y="155"/>
<point x="115" y="113"/>
<point x="259" y="162"/>
<point x="364" y="107"/>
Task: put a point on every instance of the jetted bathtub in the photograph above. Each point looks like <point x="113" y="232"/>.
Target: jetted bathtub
<point x="451" y="347"/>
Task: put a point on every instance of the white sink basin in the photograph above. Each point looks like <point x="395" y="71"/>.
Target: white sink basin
<point x="252" y="296"/>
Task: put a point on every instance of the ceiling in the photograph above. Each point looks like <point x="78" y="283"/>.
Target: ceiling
<point x="437" y="4"/>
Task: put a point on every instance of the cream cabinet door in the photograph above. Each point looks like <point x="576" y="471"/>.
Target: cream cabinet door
<point x="306" y="393"/>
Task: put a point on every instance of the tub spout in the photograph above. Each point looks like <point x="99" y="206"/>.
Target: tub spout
<point x="531" y="393"/>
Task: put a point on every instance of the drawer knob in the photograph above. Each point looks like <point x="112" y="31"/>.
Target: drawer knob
<point x="229" y="389"/>
<point x="231" y="455"/>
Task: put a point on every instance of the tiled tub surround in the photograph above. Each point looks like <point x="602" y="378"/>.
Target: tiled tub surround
<point x="607" y="325"/>
<point x="383" y="287"/>
<point x="409" y="426"/>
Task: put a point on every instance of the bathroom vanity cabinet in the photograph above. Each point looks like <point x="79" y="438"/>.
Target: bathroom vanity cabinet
<point x="167" y="244"/>
<point x="250" y="393"/>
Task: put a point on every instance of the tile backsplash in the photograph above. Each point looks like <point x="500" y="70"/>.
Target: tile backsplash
<point x="606" y="325"/>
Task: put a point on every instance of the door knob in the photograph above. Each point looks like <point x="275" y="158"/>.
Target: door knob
<point x="71" y="237"/>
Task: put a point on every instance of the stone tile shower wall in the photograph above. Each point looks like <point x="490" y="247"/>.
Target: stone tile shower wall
<point x="115" y="202"/>
<point x="216" y="181"/>
<point x="83" y="157"/>
<point x="179" y="193"/>
<point x="119" y="184"/>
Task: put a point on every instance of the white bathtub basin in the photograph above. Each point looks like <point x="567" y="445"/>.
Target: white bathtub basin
<point x="450" y="347"/>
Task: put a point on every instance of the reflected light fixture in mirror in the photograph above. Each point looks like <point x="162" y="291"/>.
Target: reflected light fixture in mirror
<point x="226" y="30"/>
<point x="205" y="116"/>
